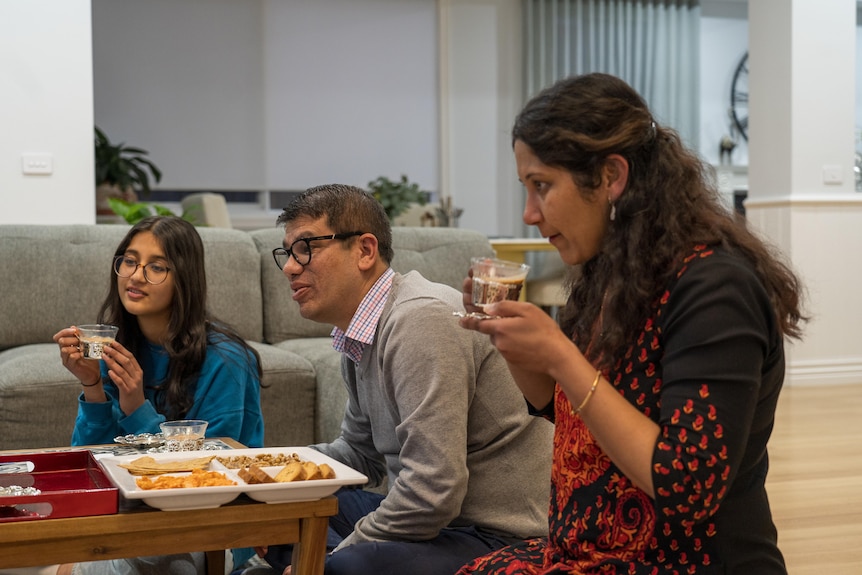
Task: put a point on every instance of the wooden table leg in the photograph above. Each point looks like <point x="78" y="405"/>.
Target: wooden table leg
<point x="310" y="554"/>
<point x="215" y="562"/>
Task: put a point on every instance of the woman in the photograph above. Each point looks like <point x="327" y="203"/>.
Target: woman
<point x="663" y="375"/>
<point x="171" y="360"/>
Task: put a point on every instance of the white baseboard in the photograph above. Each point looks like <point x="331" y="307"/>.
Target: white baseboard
<point x="824" y="372"/>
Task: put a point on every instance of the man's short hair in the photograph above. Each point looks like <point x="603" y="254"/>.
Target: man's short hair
<point x="345" y="209"/>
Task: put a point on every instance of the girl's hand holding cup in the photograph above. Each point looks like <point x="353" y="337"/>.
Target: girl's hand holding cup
<point x="86" y="370"/>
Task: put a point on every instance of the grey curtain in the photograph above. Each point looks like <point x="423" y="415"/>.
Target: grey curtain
<point x="654" y="45"/>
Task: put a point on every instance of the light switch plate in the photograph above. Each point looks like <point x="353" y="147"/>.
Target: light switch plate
<point x="37" y="164"/>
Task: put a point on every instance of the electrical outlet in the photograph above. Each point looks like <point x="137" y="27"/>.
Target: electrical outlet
<point x="37" y="164"/>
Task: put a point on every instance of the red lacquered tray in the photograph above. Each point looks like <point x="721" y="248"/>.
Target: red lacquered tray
<point x="72" y="484"/>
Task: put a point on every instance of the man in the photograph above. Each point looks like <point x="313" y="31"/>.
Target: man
<point x="432" y="407"/>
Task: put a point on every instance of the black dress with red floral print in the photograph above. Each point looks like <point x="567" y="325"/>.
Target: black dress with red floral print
<point x="707" y="367"/>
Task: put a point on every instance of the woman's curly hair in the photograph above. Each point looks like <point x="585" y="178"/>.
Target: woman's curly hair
<point x="669" y="205"/>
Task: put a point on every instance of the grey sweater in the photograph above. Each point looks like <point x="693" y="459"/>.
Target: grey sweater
<point x="434" y="407"/>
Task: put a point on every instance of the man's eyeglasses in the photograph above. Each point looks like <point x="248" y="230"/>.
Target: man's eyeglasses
<point x="301" y="249"/>
<point x="154" y="273"/>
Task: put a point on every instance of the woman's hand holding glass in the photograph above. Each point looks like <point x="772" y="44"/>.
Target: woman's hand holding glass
<point x="526" y="336"/>
<point x="529" y="340"/>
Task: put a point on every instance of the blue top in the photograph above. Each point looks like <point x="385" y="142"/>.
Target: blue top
<point x="227" y="395"/>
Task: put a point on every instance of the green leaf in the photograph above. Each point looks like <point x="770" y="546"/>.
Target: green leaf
<point x="123" y="166"/>
<point x="163" y="211"/>
<point x="396" y="196"/>
<point x="133" y="212"/>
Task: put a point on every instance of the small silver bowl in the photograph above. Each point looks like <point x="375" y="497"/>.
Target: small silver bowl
<point x="141" y="440"/>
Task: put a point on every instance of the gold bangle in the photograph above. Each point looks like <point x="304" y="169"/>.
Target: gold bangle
<point x="97" y="382"/>
<point x="589" y="393"/>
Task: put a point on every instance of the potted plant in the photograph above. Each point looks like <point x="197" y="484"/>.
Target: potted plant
<point x="396" y="196"/>
<point x="121" y="172"/>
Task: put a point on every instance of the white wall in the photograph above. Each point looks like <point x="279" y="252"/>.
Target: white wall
<point x="482" y="92"/>
<point x="803" y="116"/>
<point x="858" y="83"/>
<point x="46" y="108"/>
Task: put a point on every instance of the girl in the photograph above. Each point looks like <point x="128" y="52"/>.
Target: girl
<point x="171" y="360"/>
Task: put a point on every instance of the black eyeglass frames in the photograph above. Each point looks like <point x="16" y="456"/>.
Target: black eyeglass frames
<point x="301" y="249"/>
<point x="154" y="273"/>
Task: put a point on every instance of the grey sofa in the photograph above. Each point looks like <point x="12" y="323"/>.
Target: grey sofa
<point x="56" y="276"/>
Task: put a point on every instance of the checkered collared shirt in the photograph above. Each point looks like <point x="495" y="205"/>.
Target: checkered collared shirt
<point x="362" y="326"/>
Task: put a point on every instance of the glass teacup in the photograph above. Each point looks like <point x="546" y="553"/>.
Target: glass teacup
<point x="94" y="338"/>
<point x="497" y="280"/>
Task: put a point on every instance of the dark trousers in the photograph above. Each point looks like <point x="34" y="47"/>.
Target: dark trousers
<point x="443" y="555"/>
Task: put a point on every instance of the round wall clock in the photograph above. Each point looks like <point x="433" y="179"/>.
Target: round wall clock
<point x="739" y="97"/>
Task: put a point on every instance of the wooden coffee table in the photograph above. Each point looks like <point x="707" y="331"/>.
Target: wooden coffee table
<point x="146" y="531"/>
<point x="142" y="530"/>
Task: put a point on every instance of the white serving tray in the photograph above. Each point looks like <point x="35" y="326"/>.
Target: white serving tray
<point x="209" y="497"/>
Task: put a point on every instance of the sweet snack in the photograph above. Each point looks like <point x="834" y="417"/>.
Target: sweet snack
<point x="253" y="475"/>
<point x="304" y="471"/>
<point x="293" y="471"/>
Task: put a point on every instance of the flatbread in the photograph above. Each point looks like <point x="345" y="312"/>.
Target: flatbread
<point x="149" y="466"/>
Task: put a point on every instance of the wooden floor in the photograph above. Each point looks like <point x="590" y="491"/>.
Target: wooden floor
<point x="815" y="479"/>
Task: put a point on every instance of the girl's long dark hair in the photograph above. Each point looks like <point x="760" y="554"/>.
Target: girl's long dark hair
<point x="670" y="204"/>
<point x="190" y="326"/>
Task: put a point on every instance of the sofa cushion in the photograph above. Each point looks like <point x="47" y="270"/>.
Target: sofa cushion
<point x="331" y="392"/>
<point x="288" y="396"/>
<point x="233" y="280"/>
<point x="38" y="398"/>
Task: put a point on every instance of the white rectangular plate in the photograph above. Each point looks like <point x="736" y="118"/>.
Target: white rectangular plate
<point x="208" y="497"/>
